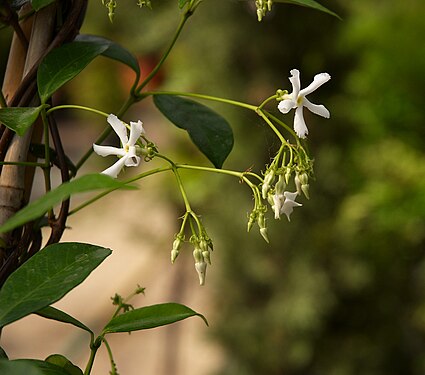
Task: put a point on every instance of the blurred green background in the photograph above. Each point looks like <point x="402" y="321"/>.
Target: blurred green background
<point x="341" y="288"/>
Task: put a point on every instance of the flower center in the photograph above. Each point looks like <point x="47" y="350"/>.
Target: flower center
<point x="300" y="100"/>
<point x="126" y="148"/>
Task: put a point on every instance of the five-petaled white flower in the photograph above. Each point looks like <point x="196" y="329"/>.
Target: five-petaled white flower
<point x="284" y="204"/>
<point x="128" y="155"/>
<point x="297" y="99"/>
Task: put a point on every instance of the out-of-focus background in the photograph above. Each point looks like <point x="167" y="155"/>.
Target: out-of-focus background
<point x="341" y="288"/>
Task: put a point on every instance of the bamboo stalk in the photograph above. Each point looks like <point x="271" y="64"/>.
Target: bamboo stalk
<point x="13" y="178"/>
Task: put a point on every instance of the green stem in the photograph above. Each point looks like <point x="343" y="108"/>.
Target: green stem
<point x="47" y="166"/>
<point x="101" y="195"/>
<point x="281" y="123"/>
<point x="74" y="106"/>
<point x="23" y="163"/>
<point x="267" y="100"/>
<point x="183" y="20"/>
<point x="202" y="96"/>
<point x="94" y="348"/>
<point x="269" y="123"/>
<point x="111" y="358"/>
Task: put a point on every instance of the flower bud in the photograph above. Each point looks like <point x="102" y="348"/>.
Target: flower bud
<point x="201" y="269"/>
<point x="263" y="232"/>
<point x="305" y="188"/>
<point x="268" y="179"/>
<point x="206" y="256"/>
<point x="197" y="255"/>
<point x="298" y="183"/>
<point x="280" y="185"/>
<point x="251" y="220"/>
<point x="287" y="176"/>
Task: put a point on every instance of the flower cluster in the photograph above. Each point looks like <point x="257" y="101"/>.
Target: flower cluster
<point x="263" y="6"/>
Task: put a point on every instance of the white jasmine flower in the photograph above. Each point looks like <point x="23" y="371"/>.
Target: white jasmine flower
<point x="284" y="204"/>
<point x="297" y="100"/>
<point x="128" y="155"/>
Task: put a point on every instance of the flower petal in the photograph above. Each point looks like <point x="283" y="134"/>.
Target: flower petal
<point x="135" y="132"/>
<point x="299" y="124"/>
<point x="289" y="204"/>
<point x="286" y="105"/>
<point x="108" y="150"/>
<point x="290" y="196"/>
<point x="295" y="80"/>
<point x="277" y="200"/>
<point x="115" y="168"/>
<point x="119" y="128"/>
<point x="319" y="80"/>
<point x="317" y="109"/>
<point x="132" y="161"/>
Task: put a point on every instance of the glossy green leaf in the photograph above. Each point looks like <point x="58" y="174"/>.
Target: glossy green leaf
<point x="64" y="63"/>
<point x="150" y="317"/>
<point x="53" y="313"/>
<point x="210" y="132"/>
<point x="31" y="367"/>
<point x="309" y="4"/>
<point x="47" y="277"/>
<point x="113" y="51"/>
<point x="19" y="119"/>
<point x="39" y="4"/>
<point x="65" y="363"/>
<point x="39" y="207"/>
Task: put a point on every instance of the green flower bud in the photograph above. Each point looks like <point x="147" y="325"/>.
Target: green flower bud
<point x="280" y="185"/>
<point x="174" y="255"/>
<point x="197" y="255"/>
<point x="298" y="183"/>
<point x="305" y="188"/>
<point x="263" y="232"/>
<point x="206" y="256"/>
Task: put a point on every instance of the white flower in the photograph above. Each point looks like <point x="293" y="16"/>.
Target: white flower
<point x="128" y="155"/>
<point x="297" y="99"/>
<point x="284" y="204"/>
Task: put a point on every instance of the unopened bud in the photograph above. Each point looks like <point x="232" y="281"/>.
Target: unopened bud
<point x="174" y="255"/>
<point x="305" y="188"/>
<point x="268" y="179"/>
<point x="201" y="269"/>
<point x="298" y="184"/>
<point x="206" y="256"/>
<point x="197" y="255"/>
<point x="263" y="232"/>
<point x="251" y="220"/>
<point x="287" y="176"/>
<point x="280" y="185"/>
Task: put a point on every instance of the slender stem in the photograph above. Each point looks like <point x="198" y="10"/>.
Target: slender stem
<point x="93" y="350"/>
<point x="47" y="167"/>
<point x="281" y="123"/>
<point x="183" y="20"/>
<point x="209" y="169"/>
<point x="74" y="106"/>
<point x="267" y="100"/>
<point x="101" y="195"/>
<point x="111" y="358"/>
<point x="202" y="96"/>
<point x="266" y="119"/>
<point x="23" y="163"/>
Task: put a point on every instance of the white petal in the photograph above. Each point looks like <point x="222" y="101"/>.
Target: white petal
<point x="114" y="169"/>
<point x="119" y="128"/>
<point x="108" y="150"/>
<point x="317" y="109"/>
<point x="277" y="200"/>
<point x="290" y="196"/>
<point x="319" y="80"/>
<point x="299" y="124"/>
<point x="286" y="105"/>
<point x="295" y="80"/>
<point x="288" y="208"/>
<point x="132" y="161"/>
<point x="135" y="132"/>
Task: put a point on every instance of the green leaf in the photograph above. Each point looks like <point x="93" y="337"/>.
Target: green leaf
<point x="113" y="51"/>
<point x="47" y="277"/>
<point x="64" y="63"/>
<point x="39" y="4"/>
<point x="31" y="367"/>
<point x="150" y="317"/>
<point x="210" y="132"/>
<point x="3" y="354"/>
<point x="19" y="119"/>
<point x="309" y="4"/>
<point x="39" y="207"/>
<point x="19" y="368"/>
<point x="65" y="363"/>
<point x="50" y="312"/>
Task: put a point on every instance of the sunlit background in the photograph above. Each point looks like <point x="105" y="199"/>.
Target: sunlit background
<point x="341" y="288"/>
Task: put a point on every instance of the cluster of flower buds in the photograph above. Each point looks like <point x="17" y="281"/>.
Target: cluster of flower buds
<point x="263" y="6"/>
<point x="144" y="3"/>
<point x="201" y="255"/>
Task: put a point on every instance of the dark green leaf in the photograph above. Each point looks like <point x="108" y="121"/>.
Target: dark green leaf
<point x="50" y="312"/>
<point x="309" y="4"/>
<point x="150" y="317"/>
<point x="64" y="63"/>
<point x="3" y="354"/>
<point x="39" y="207"/>
<point x="19" y="368"/>
<point x="114" y="51"/>
<point x="65" y="363"/>
<point x="47" y="277"/>
<point x="210" y="132"/>
<point x="39" y="4"/>
<point x="19" y="119"/>
<point x="33" y="367"/>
